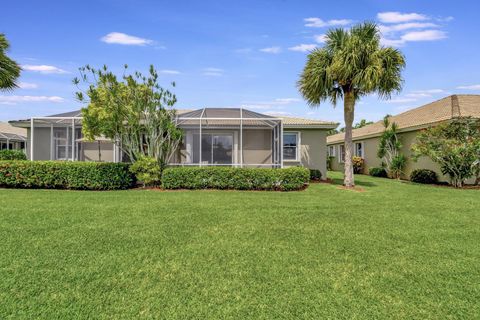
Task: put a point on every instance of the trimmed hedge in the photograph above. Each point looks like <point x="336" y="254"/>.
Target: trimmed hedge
<point x="315" y="175"/>
<point x="65" y="175"/>
<point x="378" y="172"/>
<point x="425" y="176"/>
<point x="288" y="179"/>
<point x="12" y="155"/>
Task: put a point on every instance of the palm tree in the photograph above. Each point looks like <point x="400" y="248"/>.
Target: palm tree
<point x="9" y="69"/>
<point x="352" y="64"/>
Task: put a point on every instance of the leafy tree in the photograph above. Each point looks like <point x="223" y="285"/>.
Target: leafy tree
<point x="134" y="112"/>
<point x="352" y="64"/>
<point x="455" y="146"/>
<point x="389" y="149"/>
<point x="9" y="69"/>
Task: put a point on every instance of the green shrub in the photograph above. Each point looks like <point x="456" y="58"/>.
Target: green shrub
<point x="294" y="178"/>
<point x="378" y="172"/>
<point x="397" y="165"/>
<point x="315" y="175"/>
<point x="425" y="176"/>
<point x="65" y="175"/>
<point x="12" y="155"/>
<point x="147" y="170"/>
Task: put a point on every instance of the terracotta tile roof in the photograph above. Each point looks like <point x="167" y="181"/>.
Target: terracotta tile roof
<point x="434" y="112"/>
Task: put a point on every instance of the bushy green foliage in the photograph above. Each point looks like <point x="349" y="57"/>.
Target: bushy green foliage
<point x="315" y="174"/>
<point x="65" y="175"/>
<point x="378" y="172"/>
<point x="357" y="164"/>
<point x="397" y="165"/>
<point x="12" y="155"/>
<point x="389" y="149"/>
<point x="147" y="170"/>
<point x="455" y="146"/>
<point x="294" y="178"/>
<point x="424" y="176"/>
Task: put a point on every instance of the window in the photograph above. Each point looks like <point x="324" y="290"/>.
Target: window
<point x="358" y="149"/>
<point x="290" y="146"/>
<point x="341" y="153"/>
<point x="331" y="151"/>
<point x="216" y="148"/>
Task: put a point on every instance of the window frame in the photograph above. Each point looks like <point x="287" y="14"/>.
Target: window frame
<point x="341" y="155"/>
<point x="332" y="149"/>
<point x="355" y="149"/>
<point x="297" y="147"/>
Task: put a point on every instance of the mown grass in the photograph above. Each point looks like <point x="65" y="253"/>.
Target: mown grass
<point x="396" y="250"/>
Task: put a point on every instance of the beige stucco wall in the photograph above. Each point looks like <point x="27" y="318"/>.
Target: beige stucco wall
<point x="257" y="146"/>
<point x="371" y="160"/>
<point x="313" y="150"/>
<point x="90" y="151"/>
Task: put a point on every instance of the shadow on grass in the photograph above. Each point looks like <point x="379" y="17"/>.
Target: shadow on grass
<point x="339" y="181"/>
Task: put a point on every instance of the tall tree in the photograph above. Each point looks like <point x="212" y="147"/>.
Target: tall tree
<point x="352" y="64"/>
<point x="9" y="69"/>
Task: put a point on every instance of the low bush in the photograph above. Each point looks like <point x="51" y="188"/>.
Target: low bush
<point x="65" y="175"/>
<point x="357" y="164"/>
<point x="315" y="175"/>
<point x="378" y="172"/>
<point x="147" y="170"/>
<point x="425" y="176"/>
<point x="12" y="155"/>
<point x="294" y="178"/>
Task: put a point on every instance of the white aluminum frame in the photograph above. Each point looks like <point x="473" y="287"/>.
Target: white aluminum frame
<point x="241" y="120"/>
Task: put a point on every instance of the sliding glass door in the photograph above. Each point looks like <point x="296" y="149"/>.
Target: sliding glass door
<point x="216" y="148"/>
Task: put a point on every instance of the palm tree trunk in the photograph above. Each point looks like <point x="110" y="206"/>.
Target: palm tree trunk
<point x="348" y="114"/>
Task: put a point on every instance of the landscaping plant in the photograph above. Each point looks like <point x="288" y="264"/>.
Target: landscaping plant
<point x="9" y="69"/>
<point x="424" y="176"/>
<point x="147" y="170"/>
<point x="357" y="164"/>
<point x="455" y="146"/>
<point x="389" y="150"/>
<point x="288" y="179"/>
<point x="378" y="172"/>
<point x="12" y="155"/>
<point x="134" y="111"/>
<point x="352" y="64"/>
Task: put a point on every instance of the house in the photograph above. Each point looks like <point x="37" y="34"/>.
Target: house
<point x="366" y="139"/>
<point x="212" y="137"/>
<point x="12" y="138"/>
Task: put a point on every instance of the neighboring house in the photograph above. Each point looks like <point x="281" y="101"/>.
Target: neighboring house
<point x="12" y="138"/>
<point x="366" y="139"/>
<point x="213" y="137"/>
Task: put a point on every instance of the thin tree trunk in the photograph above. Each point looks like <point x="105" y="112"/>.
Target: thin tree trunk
<point x="348" y="113"/>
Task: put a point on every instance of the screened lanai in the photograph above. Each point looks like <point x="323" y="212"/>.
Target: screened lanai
<point x="230" y="137"/>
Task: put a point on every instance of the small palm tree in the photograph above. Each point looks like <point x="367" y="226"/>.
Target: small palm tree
<point x="352" y="64"/>
<point x="9" y="69"/>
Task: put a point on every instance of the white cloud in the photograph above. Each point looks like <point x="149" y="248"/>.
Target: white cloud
<point x="415" y="36"/>
<point x="169" y="71"/>
<point x="43" y="68"/>
<point x="470" y="87"/>
<point x="273" y="50"/>
<point x="398" y="17"/>
<point x="319" y="23"/>
<point x="303" y="47"/>
<point x="213" y="72"/>
<point x="418" y="95"/>
<point x="429" y="91"/>
<point x="125" y="39"/>
<point x="426" y="35"/>
<point x="320" y="38"/>
<point x="278" y="113"/>
<point x="16" y="99"/>
<point x="27" y="85"/>
<point x="385" y="29"/>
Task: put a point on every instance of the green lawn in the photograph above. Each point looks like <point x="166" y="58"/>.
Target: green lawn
<point x="396" y="250"/>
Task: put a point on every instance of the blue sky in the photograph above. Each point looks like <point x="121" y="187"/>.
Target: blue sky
<point x="232" y="53"/>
